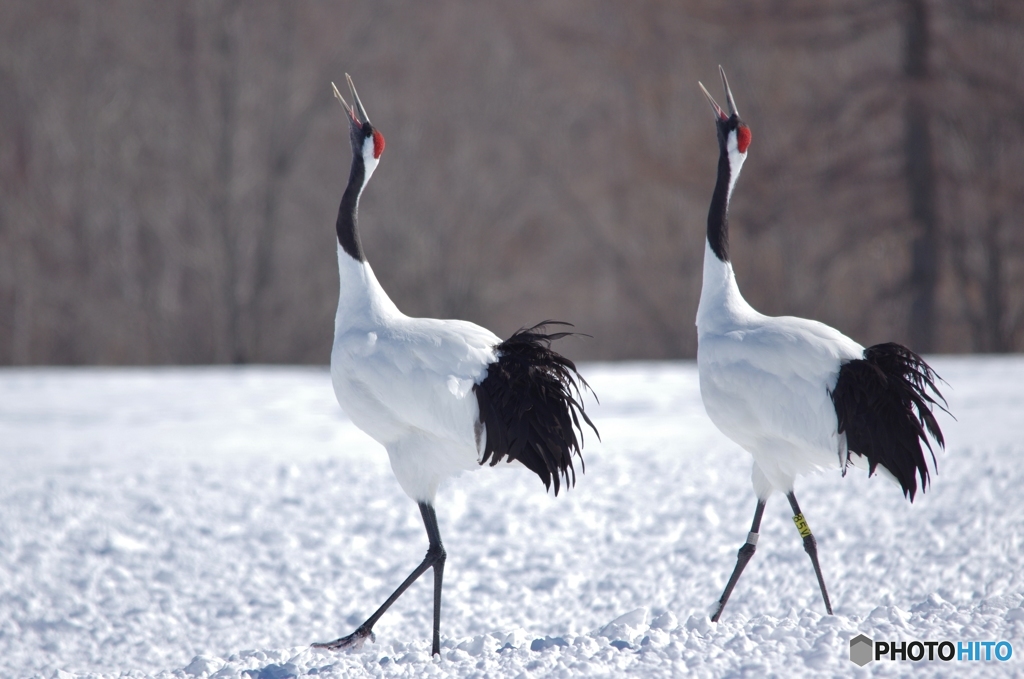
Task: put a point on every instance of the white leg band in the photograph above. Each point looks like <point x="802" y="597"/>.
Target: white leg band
<point x="752" y="539"/>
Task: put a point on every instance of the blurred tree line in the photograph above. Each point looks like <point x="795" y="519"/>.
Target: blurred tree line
<point x="170" y="172"/>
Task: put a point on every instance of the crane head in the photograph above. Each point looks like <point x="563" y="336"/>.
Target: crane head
<point x="730" y="128"/>
<point x="366" y="139"/>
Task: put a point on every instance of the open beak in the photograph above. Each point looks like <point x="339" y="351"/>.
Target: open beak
<point x="356" y="112"/>
<point x="729" y="101"/>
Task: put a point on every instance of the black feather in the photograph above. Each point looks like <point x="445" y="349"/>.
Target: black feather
<point x="531" y="404"/>
<point x="885" y="409"/>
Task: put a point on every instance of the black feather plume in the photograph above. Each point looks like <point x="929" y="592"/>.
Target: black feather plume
<point x="885" y="409"/>
<point x="531" y="404"/>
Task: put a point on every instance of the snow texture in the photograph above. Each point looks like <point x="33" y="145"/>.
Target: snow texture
<point x="213" y="522"/>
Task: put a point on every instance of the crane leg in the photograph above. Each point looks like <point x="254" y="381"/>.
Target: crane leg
<point x="742" y="558"/>
<point x="810" y="546"/>
<point x="435" y="559"/>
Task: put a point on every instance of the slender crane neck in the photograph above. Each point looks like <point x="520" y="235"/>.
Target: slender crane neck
<point x="362" y="300"/>
<point x="718" y="213"/>
<point x="363" y="164"/>
<point x="720" y="296"/>
<point x="348" y="234"/>
<point x="730" y="162"/>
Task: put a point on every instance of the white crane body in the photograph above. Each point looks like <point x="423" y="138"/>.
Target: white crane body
<point x="796" y="394"/>
<point x="408" y="382"/>
<point x="765" y="381"/>
<point x="441" y="396"/>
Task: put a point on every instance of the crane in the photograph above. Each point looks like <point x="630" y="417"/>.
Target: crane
<point x="796" y="394"/>
<point x="441" y="396"/>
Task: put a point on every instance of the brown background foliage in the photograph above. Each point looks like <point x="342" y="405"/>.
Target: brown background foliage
<point x="170" y="172"/>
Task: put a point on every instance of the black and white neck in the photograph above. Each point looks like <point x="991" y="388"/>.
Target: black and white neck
<point x="363" y="164"/>
<point x="732" y="136"/>
<point x="367" y="145"/>
<point x="361" y="299"/>
<point x="719" y="292"/>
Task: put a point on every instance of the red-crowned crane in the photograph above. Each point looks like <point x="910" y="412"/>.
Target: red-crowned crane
<point x="798" y="395"/>
<point x="441" y="396"/>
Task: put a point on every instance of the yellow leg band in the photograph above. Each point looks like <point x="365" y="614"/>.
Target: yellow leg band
<point x="801" y="525"/>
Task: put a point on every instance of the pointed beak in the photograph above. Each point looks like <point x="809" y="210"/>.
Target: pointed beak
<point x="356" y="112"/>
<point x="714" y="104"/>
<point x="359" y="110"/>
<point x="729" y="101"/>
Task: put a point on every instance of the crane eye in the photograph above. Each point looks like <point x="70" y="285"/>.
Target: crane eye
<point x="378" y="144"/>
<point x="742" y="138"/>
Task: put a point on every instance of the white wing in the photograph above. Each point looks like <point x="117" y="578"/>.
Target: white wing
<point x="412" y="376"/>
<point x="765" y="382"/>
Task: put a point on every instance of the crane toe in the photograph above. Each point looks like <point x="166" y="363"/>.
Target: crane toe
<point x="352" y="642"/>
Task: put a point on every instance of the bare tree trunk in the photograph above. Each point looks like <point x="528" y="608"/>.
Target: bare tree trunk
<point x="996" y="339"/>
<point x="920" y="179"/>
<point x="226" y="47"/>
<point x="280" y="154"/>
<point x="19" y="275"/>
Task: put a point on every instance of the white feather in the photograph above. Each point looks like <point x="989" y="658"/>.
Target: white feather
<point x="736" y="158"/>
<point x="765" y="380"/>
<point x="408" y="382"/>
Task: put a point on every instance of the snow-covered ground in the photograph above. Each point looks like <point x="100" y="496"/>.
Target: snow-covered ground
<point x="215" y="521"/>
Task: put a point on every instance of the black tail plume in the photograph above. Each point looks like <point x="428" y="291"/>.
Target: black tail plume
<point x="531" y="404"/>
<point x="885" y="409"/>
